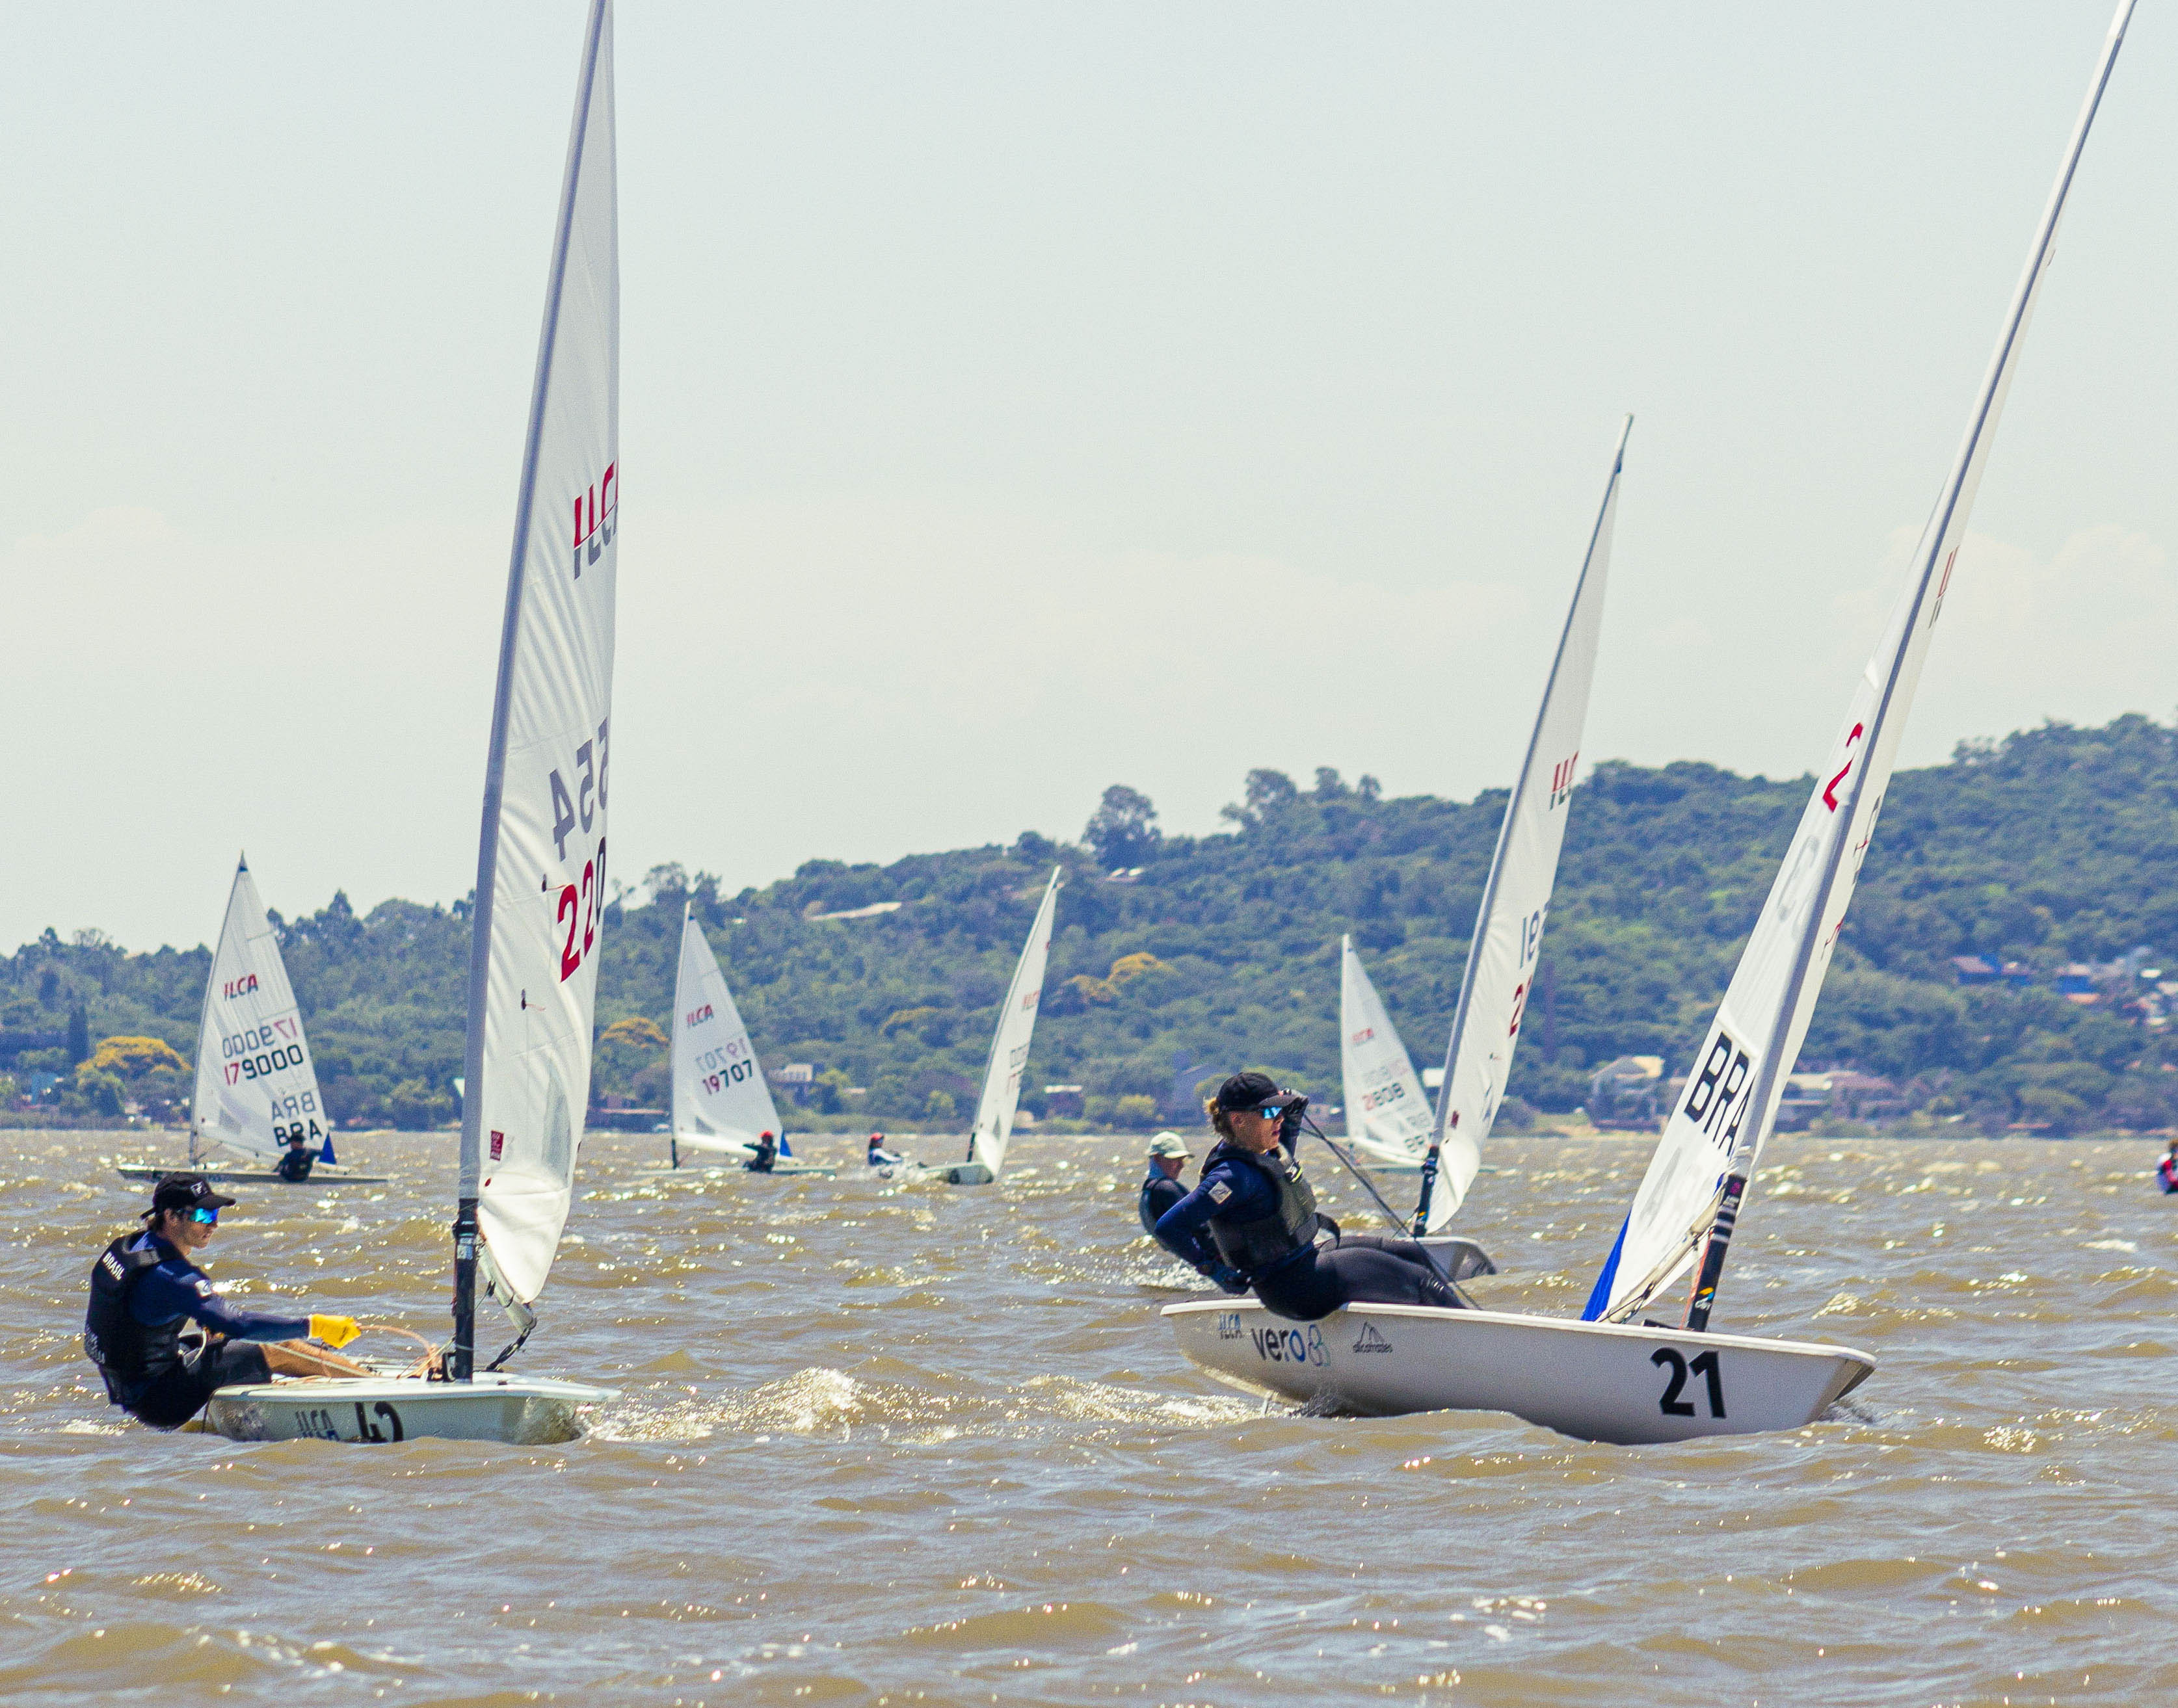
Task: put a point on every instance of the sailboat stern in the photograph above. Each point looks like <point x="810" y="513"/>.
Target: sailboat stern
<point x="1462" y="1257"/>
<point x="1604" y="1382"/>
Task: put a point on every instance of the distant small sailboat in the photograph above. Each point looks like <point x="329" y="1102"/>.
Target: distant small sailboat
<point x="721" y="1104"/>
<point x="1388" y="1117"/>
<point x="1388" y="1114"/>
<point x="540" y="902"/>
<point x="1605" y="1377"/>
<point x="256" y="1089"/>
<point x="1000" y="1100"/>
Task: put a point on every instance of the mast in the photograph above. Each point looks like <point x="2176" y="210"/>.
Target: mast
<point x="1946" y="524"/>
<point x="460" y="1363"/>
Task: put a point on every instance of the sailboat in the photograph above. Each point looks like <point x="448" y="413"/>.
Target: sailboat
<point x="1387" y="1116"/>
<point x="1607" y="1377"/>
<point x="721" y="1105"/>
<point x="540" y="894"/>
<point x="256" y="1089"/>
<point x="1000" y="1100"/>
<point x="1387" y="1119"/>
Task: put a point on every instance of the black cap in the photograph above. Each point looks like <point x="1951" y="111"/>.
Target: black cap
<point x="1251" y="1091"/>
<point x="186" y="1191"/>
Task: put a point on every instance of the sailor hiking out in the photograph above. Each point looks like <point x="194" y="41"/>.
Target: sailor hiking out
<point x="2166" y="1171"/>
<point x="1161" y="1186"/>
<point x="1252" y="1222"/>
<point x="879" y="1157"/>
<point x="145" y="1292"/>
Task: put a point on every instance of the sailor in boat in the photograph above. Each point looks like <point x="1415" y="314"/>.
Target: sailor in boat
<point x="145" y="1290"/>
<point x="879" y="1157"/>
<point x="767" y="1153"/>
<point x="1161" y="1188"/>
<point x="1252" y="1221"/>
<point x="2166" y="1171"/>
<point x="294" y="1164"/>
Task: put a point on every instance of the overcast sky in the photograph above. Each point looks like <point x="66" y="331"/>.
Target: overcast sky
<point x="1018" y="400"/>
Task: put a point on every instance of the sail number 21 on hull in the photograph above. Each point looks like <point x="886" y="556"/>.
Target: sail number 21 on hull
<point x="1702" y="1364"/>
<point x="578" y="809"/>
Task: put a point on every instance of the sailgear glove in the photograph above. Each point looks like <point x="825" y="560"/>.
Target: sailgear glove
<point x="334" y="1331"/>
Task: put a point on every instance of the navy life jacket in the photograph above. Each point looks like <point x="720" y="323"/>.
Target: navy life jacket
<point x="128" y="1354"/>
<point x="1262" y="1242"/>
<point x="1154" y="1202"/>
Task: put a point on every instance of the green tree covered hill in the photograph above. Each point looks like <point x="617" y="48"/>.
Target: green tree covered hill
<point x="2054" y="846"/>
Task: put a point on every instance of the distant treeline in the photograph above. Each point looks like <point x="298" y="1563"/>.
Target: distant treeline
<point x="1179" y="958"/>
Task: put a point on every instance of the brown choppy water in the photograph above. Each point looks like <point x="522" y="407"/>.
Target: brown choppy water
<point x="934" y="1446"/>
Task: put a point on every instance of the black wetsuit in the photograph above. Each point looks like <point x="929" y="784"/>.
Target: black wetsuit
<point x="1240" y="1196"/>
<point x="294" y="1164"/>
<point x="144" y="1292"/>
<point x="1160" y="1192"/>
<point x="767" y="1153"/>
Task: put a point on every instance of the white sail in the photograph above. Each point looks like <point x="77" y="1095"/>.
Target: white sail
<point x="1718" y="1125"/>
<point x="540" y="896"/>
<point x="1002" y="1077"/>
<point x="720" y="1101"/>
<point x="1387" y="1117"/>
<point x="256" y="1088"/>
<point x="1508" y="926"/>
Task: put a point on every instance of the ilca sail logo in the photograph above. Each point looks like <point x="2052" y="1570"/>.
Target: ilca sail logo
<point x="1369" y="1341"/>
<point x="595" y="514"/>
<point x="1562" y="781"/>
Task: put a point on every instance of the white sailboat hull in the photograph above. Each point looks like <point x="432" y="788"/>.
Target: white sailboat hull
<point x="786" y="1164"/>
<point x="261" y="1176"/>
<point x="520" y="1410"/>
<point x="1595" y="1381"/>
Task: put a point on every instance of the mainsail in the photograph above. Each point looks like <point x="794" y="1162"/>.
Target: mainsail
<point x="1002" y="1076"/>
<point x="1387" y="1117"/>
<point x="541" y="865"/>
<point x="720" y="1101"/>
<point x="1508" y="926"/>
<point x="1698" y="1176"/>
<point x="256" y="1089"/>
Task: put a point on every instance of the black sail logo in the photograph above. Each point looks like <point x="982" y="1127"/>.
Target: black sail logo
<point x="1716" y="1096"/>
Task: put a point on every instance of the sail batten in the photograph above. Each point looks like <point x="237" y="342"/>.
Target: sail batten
<point x="542" y="873"/>
<point x="1000" y="1099"/>
<point x="256" y="1087"/>
<point x="1506" y="947"/>
<point x="1714" y="1138"/>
